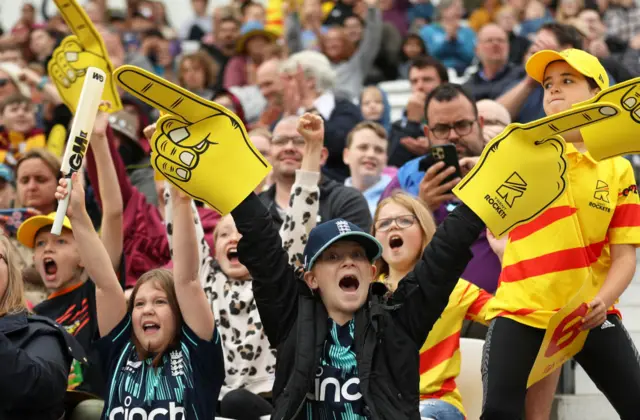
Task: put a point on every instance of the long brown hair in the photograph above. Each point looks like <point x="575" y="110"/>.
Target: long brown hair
<point x="13" y="299"/>
<point x="415" y="207"/>
<point x="163" y="280"/>
<point x="204" y="61"/>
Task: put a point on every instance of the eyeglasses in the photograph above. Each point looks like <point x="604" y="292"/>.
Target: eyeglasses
<point x="403" y="222"/>
<point x="4" y="82"/>
<point x="283" y="141"/>
<point x="462" y="128"/>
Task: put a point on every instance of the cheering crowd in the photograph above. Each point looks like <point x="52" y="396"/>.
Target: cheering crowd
<point x="341" y="287"/>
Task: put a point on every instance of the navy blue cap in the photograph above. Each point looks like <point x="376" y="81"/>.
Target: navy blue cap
<point x="326" y="234"/>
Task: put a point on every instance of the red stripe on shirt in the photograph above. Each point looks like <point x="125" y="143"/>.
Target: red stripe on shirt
<point x="447" y="386"/>
<point x="567" y="259"/>
<point x="522" y="312"/>
<point x="626" y="215"/>
<point x="547" y="218"/>
<point x="437" y="354"/>
<point x="479" y="303"/>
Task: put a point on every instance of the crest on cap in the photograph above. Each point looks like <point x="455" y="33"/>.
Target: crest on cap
<point x="343" y="226"/>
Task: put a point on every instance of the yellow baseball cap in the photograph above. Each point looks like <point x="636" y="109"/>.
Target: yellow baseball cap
<point x="581" y="61"/>
<point x="30" y="227"/>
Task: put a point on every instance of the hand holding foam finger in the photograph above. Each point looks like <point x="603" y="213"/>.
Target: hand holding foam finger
<point x="522" y="171"/>
<point x="70" y="61"/>
<point x="616" y="136"/>
<point x="199" y="146"/>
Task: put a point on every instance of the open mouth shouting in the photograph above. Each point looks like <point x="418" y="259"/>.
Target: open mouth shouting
<point x="150" y="327"/>
<point x="50" y="269"/>
<point x="395" y="242"/>
<point x="349" y="283"/>
<point x="232" y="255"/>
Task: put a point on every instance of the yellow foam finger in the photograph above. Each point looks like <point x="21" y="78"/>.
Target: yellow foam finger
<point x="616" y="136"/>
<point x="82" y="27"/>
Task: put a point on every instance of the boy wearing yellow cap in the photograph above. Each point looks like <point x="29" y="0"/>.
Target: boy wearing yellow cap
<point x="589" y="234"/>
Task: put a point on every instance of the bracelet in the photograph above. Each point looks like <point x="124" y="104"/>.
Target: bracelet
<point x="42" y="83"/>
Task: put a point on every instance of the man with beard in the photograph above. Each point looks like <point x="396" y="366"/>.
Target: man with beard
<point x="336" y="200"/>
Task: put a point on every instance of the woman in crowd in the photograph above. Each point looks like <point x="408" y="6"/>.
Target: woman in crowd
<point x="412" y="47"/>
<point x="35" y="353"/>
<point x="198" y="72"/>
<point x="161" y="349"/>
<point x="583" y="235"/>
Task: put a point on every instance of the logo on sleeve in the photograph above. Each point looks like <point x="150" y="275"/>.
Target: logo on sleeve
<point x="631" y="189"/>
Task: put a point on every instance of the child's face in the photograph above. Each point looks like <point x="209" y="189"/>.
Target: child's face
<point x="19" y="117"/>
<point x="56" y="258"/>
<point x="412" y="48"/>
<point x="371" y="105"/>
<point x="367" y="154"/>
<point x="226" y="245"/>
<point x="564" y="87"/>
<point x="255" y="13"/>
<point x="400" y="235"/>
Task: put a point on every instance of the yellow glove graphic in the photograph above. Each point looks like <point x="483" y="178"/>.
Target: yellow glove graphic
<point x="199" y="146"/>
<point x="522" y="171"/>
<point x="85" y="48"/>
<point x="616" y="136"/>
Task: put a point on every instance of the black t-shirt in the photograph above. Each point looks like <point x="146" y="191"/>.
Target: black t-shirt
<point x="185" y="385"/>
<point x="74" y="309"/>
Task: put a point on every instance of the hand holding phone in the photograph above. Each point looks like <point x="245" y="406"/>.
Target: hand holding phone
<point x="442" y="173"/>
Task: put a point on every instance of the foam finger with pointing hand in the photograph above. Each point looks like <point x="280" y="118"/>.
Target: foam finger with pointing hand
<point x="199" y="146"/>
<point x="616" y="136"/>
<point x="522" y="171"/>
<point x="76" y="53"/>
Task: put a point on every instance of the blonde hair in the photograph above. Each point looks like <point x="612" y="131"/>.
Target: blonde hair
<point x="13" y="300"/>
<point x="416" y="208"/>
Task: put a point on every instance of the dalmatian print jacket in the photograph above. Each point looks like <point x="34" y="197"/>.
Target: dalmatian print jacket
<point x="250" y="362"/>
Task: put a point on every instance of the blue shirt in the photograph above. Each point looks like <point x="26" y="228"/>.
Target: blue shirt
<point x="336" y="393"/>
<point x="374" y="192"/>
<point x="457" y="53"/>
<point x="185" y="385"/>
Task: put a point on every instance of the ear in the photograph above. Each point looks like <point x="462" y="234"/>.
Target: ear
<point x="310" y="279"/>
<point x="374" y="271"/>
<point x="481" y="121"/>
<point x="323" y="156"/>
<point x="345" y="156"/>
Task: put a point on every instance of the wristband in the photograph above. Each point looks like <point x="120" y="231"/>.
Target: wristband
<point x="41" y="84"/>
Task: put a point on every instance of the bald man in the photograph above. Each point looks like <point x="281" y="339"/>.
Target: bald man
<point x="270" y="83"/>
<point x="494" y="116"/>
<point x="495" y="73"/>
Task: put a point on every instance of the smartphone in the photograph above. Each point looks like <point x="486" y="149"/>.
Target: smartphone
<point x="445" y="153"/>
<point x="11" y="219"/>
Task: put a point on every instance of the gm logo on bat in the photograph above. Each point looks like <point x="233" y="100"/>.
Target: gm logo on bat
<point x="79" y="149"/>
<point x="98" y="77"/>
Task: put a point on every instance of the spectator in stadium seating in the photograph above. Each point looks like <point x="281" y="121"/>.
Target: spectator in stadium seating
<point x="18" y="132"/>
<point x="406" y="139"/>
<point x="269" y="81"/>
<point x="255" y="46"/>
<point x="449" y="41"/>
<point x="495" y="73"/>
<point x="287" y="153"/>
<point x="524" y="99"/>
<point x="568" y="10"/>
<point x="506" y="18"/>
<point x="596" y="41"/>
<point x="366" y="156"/>
<point x="160" y="351"/>
<point x="71" y="302"/>
<point x="412" y="48"/>
<point x="226" y="32"/>
<point x="35" y="353"/>
<point x="253" y="12"/>
<point x="484" y="14"/>
<point x="622" y="19"/>
<point x="157" y="48"/>
<point x="374" y="105"/>
<point x="42" y="43"/>
<point x="310" y="86"/>
<point x="10" y="83"/>
<point x="198" y="73"/>
<point x="195" y="28"/>
<point x="494" y="116"/>
<point x="452" y="117"/>
<point x="12" y="54"/>
<point x="261" y="139"/>
<point x="338" y="270"/>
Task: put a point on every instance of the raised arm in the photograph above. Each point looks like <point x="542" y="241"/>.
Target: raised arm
<point x="111" y="229"/>
<point x="304" y="201"/>
<point x="194" y="306"/>
<point x="372" y="38"/>
<point x="110" y="299"/>
<point x="425" y="291"/>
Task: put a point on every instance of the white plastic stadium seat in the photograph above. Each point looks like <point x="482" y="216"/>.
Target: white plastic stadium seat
<point x="398" y="93"/>
<point x="470" y="379"/>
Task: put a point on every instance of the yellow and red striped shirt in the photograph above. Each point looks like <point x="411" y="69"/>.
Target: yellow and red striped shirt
<point x="547" y="260"/>
<point x="440" y="353"/>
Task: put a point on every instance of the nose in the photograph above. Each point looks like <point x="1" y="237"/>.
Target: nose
<point x="236" y="236"/>
<point x="31" y="185"/>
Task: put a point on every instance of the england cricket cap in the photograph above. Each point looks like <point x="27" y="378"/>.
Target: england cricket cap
<point x="581" y="61"/>
<point x="328" y="233"/>
<point x="29" y="228"/>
